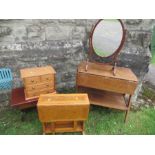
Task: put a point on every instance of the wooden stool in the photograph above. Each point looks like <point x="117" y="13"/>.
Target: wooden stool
<point x="63" y="112"/>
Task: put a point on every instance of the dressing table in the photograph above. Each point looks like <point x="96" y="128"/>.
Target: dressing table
<point x="106" y="84"/>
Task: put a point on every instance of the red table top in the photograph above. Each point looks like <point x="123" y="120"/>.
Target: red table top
<point x="18" y="99"/>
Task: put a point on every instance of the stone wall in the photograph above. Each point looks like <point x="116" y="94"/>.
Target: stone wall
<point x="64" y="44"/>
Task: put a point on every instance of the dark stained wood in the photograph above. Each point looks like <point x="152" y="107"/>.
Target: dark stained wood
<point x="18" y="99"/>
<point x="116" y="52"/>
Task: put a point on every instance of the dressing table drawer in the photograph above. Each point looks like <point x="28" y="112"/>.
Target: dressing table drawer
<point x="106" y="83"/>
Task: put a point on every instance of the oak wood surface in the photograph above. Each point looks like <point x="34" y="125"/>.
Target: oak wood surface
<point x="106" y="99"/>
<point x="63" y="107"/>
<point x="104" y="88"/>
<point x="106" y="71"/>
<point x="36" y="71"/>
<point x="38" y="80"/>
<point x="106" y="83"/>
<point x="63" y="112"/>
<point x="101" y="77"/>
<point x="58" y="127"/>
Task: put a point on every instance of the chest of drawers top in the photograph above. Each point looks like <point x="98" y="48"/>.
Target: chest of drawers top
<point x="36" y="71"/>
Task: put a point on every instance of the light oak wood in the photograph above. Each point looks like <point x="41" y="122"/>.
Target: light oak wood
<point x="100" y="77"/>
<point x="66" y="111"/>
<point x="38" y="80"/>
<point x="36" y="71"/>
<point x="60" y="127"/>
<point x="104" y="88"/>
<point x="105" y="70"/>
<point x="47" y="78"/>
<point x="105" y="98"/>
<point x="35" y="94"/>
<point x="49" y="85"/>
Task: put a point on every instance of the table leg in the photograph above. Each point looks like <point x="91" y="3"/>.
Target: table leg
<point x="128" y="105"/>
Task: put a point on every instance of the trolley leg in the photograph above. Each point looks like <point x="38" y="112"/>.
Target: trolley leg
<point x="127" y="112"/>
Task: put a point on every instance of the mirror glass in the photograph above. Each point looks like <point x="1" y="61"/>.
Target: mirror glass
<point x="107" y="37"/>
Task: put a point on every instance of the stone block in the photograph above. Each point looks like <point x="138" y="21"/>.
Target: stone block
<point x="5" y="30"/>
<point x="57" y="32"/>
<point x="79" y="33"/>
<point x="36" y="33"/>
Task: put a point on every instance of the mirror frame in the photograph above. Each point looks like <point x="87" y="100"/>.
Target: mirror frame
<point x="117" y="51"/>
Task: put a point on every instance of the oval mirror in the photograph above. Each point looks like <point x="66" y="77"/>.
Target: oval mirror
<point x="107" y="37"/>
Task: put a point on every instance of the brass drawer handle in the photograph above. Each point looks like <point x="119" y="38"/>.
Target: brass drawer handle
<point x="33" y="88"/>
<point x="47" y="85"/>
<point x="47" y="78"/>
<point x="32" y="80"/>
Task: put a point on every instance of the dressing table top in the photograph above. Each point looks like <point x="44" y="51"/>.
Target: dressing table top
<point x="106" y="71"/>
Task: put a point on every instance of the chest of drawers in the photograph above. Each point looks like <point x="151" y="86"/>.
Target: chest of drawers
<point x="38" y="80"/>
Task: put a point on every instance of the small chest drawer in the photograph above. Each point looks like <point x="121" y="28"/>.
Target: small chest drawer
<point x="46" y="91"/>
<point x="38" y="87"/>
<point x="31" y="80"/>
<point x="38" y="80"/>
<point x="33" y="94"/>
<point x="47" y="78"/>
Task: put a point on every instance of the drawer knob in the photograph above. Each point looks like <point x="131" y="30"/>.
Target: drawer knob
<point x="32" y="80"/>
<point x="47" y="85"/>
<point x="47" y="78"/>
<point x="33" y="87"/>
